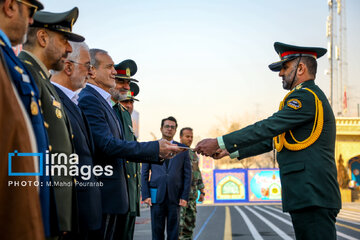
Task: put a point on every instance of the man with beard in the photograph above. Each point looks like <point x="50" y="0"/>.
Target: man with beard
<point x="125" y="85"/>
<point x="46" y="48"/>
<point x="303" y="132"/>
<point x="67" y="83"/>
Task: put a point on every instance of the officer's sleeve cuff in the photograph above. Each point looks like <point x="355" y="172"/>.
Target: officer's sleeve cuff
<point x="221" y="143"/>
<point x="234" y="154"/>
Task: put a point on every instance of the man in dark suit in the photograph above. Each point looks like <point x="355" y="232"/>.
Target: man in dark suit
<point x="168" y="187"/>
<point x="21" y="117"/>
<point x="46" y="48"/>
<point x="110" y="147"/>
<point x="303" y="132"/>
<point x="67" y="82"/>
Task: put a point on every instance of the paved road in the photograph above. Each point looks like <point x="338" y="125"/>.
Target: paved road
<point x="252" y="222"/>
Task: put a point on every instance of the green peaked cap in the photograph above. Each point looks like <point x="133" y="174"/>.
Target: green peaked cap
<point x="289" y="52"/>
<point x="59" y="22"/>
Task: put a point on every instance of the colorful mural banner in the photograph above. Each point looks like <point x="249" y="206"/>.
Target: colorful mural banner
<point x="246" y="185"/>
<point x="230" y="186"/>
<point x="264" y="185"/>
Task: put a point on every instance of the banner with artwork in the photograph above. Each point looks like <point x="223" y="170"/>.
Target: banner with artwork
<point x="264" y="185"/>
<point x="230" y="186"/>
<point x="246" y="185"/>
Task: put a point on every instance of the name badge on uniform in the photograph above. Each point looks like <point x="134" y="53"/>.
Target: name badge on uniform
<point x="56" y="104"/>
<point x="25" y="78"/>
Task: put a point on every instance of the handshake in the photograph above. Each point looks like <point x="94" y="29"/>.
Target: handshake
<point x="209" y="147"/>
<point x="168" y="150"/>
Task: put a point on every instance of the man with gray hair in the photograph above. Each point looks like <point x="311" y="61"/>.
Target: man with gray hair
<point x="110" y="145"/>
<point x="67" y="83"/>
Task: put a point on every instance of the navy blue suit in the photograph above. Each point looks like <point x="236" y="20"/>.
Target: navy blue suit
<point x="172" y="184"/>
<point x="88" y="197"/>
<point x="110" y="149"/>
<point x="29" y="94"/>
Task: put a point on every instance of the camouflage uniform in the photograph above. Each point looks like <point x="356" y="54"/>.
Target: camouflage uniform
<point x="188" y="214"/>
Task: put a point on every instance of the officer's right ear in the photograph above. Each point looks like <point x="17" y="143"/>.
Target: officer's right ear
<point x="42" y="37"/>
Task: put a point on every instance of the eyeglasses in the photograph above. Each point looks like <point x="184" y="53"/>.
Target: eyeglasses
<point x="87" y="65"/>
<point x="168" y="126"/>
<point x="32" y="7"/>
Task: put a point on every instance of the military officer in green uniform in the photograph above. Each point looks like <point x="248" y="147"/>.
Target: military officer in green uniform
<point x="124" y="95"/>
<point x="46" y="48"/>
<point x="303" y="133"/>
<point x="188" y="213"/>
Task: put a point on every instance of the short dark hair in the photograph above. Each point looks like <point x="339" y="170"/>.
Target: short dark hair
<point x="31" y="37"/>
<point x="311" y="65"/>
<point x="93" y="60"/>
<point x="184" y="129"/>
<point x="171" y="118"/>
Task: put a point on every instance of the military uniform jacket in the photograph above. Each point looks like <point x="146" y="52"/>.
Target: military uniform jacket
<point x="20" y="213"/>
<point x="59" y="132"/>
<point x="196" y="178"/>
<point x="29" y="95"/>
<point x="132" y="169"/>
<point x="308" y="177"/>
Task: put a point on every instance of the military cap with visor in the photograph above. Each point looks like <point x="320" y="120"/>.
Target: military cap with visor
<point x="59" y="22"/>
<point x="289" y="52"/>
<point x="126" y="69"/>
<point x="132" y="93"/>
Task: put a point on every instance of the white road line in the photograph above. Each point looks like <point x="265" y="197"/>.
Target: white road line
<point x="275" y="216"/>
<point x="249" y="224"/>
<point x="277" y="210"/>
<point x="272" y="226"/>
<point x="340" y="234"/>
<point x="349" y="213"/>
<point x="343" y="235"/>
<point x="344" y="220"/>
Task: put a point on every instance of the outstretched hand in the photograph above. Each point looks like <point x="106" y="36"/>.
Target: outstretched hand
<point x="168" y="150"/>
<point x="207" y="147"/>
<point x="220" y="153"/>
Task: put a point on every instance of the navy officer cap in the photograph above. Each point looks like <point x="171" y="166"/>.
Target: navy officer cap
<point x="126" y="69"/>
<point x="59" y="22"/>
<point x="289" y="52"/>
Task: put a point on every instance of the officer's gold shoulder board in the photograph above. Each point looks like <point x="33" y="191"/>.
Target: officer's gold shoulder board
<point x="294" y="103"/>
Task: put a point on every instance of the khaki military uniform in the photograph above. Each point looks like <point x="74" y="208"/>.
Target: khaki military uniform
<point x="59" y="133"/>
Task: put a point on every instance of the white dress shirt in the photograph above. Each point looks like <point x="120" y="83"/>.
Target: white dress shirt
<point x="69" y="93"/>
<point x="102" y="92"/>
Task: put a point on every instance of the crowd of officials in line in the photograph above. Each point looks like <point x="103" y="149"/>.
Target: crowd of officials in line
<point x="60" y="97"/>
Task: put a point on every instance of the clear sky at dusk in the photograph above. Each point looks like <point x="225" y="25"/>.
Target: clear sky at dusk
<point x="204" y="61"/>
